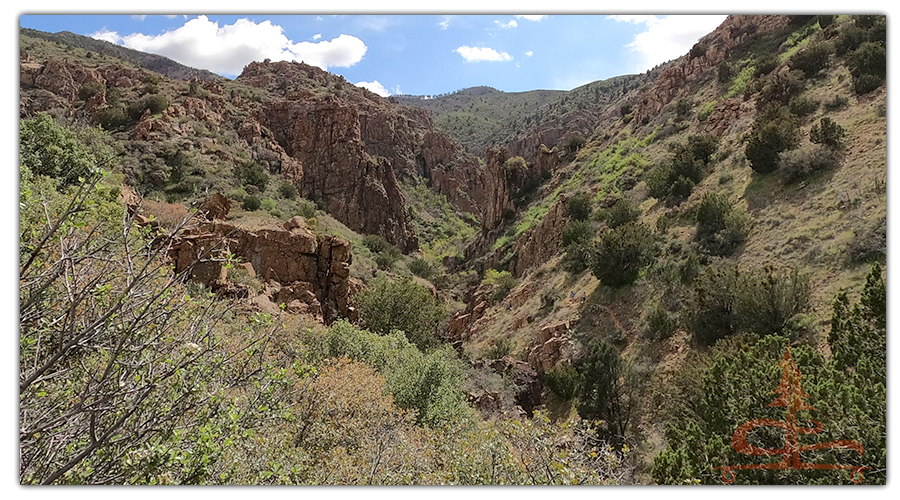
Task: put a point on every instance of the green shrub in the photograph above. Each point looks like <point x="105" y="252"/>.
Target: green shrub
<point x="421" y="268"/>
<point x="720" y="227"/>
<point x="765" y="64"/>
<point x="90" y="89"/>
<point x="563" y="380"/>
<point x="827" y="132"/>
<point x="269" y="205"/>
<point x="803" y="106"/>
<point x="798" y="164"/>
<point x="770" y="302"/>
<point x="287" y="190"/>
<point x="864" y="84"/>
<point x="112" y="118"/>
<point x="813" y="59"/>
<point x="825" y="20"/>
<point x="579" y="207"/>
<point x="702" y="147"/>
<point x="48" y="148"/>
<point x="576" y="142"/>
<point x="602" y="394"/>
<point x="683" y="108"/>
<point x="578" y="257"/>
<point x="307" y="208"/>
<point x="157" y="103"/>
<point x="502" y="281"/>
<point x="620" y="213"/>
<point x="769" y="137"/>
<point x="385" y="260"/>
<point x="577" y="231"/>
<point x="850" y="39"/>
<point x="869" y="59"/>
<point x="402" y="305"/>
<point x="779" y="90"/>
<point x="251" y="203"/>
<point x="698" y="50"/>
<point x="622" y="253"/>
<point x="252" y="174"/>
<point x="659" y="323"/>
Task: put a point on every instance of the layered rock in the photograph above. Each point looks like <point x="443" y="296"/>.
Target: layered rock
<point x="540" y="243"/>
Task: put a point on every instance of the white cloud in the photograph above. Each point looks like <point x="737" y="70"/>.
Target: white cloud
<point x="532" y="17"/>
<point x="669" y="37"/>
<point x="374" y="86"/>
<point x="511" y="24"/>
<point x="471" y="54"/>
<point x="109" y="36"/>
<point x="201" y="43"/>
<point x="529" y="53"/>
<point x="138" y="17"/>
<point x="317" y="36"/>
<point x="445" y="23"/>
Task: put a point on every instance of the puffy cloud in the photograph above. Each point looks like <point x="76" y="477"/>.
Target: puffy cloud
<point x="669" y="37"/>
<point x="472" y="54"/>
<point x="511" y="24"/>
<point x="374" y="86"/>
<point x="529" y="53"/>
<point x="109" y="36"/>
<point x="532" y="17"/>
<point x="317" y="36"/>
<point x="201" y="43"/>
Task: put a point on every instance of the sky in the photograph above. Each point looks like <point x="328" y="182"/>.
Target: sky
<point x="405" y="53"/>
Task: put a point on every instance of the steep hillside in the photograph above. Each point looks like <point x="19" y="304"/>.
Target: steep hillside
<point x="599" y="285"/>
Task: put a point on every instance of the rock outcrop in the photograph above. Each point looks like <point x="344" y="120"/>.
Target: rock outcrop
<point x="734" y="31"/>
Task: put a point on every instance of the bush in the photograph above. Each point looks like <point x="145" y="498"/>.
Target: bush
<point x="866" y="83"/>
<point x="48" y="148"/>
<point x="850" y="39"/>
<point x="157" y="103"/>
<point x="683" y="108"/>
<point x="421" y="268"/>
<point x="563" y="380"/>
<point x="720" y="227"/>
<point x="813" y="59"/>
<point x="779" y="89"/>
<point x="578" y="257"/>
<point x="710" y="311"/>
<point x="602" y="393"/>
<point x="575" y="143"/>
<point x="770" y="302"/>
<point x="576" y="232"/>
<point x="803" y="106"/>
<point x="252" y="174"/>
<point x="869" y="59"/>
<point x="579" y="207"/>
<point x="702" y="147"/>
<point x="620" y="213"/>
<point x="502" y="281"/>
<point x="724" y="72"/>
<point x="251" y="203"/>
<point x="287" y="190"/>
<point x="765" y="64"/>
<point x="659" y="323"/>
<point x="769" y="137"/>
<point x="90" y="89"/>
<point x="622" y="253"/>
<point x="827" y="132"/>
<point x="402" y="305"/>
<point x="825" y="20"/>
<point x="800" y="163"/>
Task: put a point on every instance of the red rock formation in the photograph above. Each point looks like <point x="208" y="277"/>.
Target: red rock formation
<point x="540" y="243"/>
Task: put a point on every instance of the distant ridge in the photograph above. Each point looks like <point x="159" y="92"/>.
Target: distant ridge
<point x="152" y="62"/>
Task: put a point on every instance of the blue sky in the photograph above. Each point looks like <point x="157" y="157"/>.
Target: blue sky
<point x="409" y="54"/>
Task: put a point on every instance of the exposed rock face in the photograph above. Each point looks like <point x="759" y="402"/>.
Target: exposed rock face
<point x="292" y="263"/>
<point x="541" y="242"/>
<point x="553" y="344"/>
